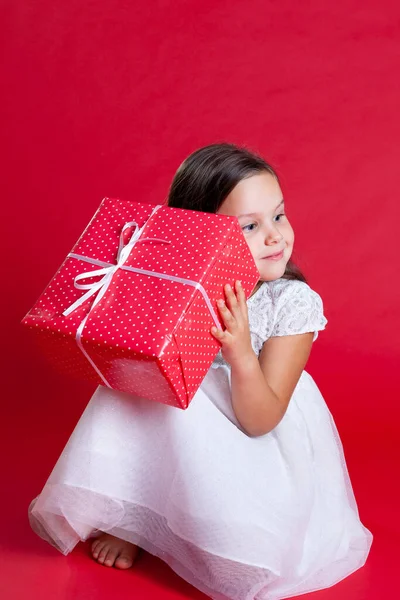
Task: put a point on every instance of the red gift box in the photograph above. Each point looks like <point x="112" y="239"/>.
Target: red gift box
<point x="151" y="278"/>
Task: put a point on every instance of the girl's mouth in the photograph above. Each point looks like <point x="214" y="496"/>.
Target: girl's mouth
<point x="274" y="256"/>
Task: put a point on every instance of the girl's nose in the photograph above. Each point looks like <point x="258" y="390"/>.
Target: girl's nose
<point x="273" y="236"/>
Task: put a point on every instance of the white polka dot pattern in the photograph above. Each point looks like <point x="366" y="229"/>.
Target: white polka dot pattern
<point x="149" y="337"/>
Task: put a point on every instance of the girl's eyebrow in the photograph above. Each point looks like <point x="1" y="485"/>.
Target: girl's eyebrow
<point x="258" y="214"/>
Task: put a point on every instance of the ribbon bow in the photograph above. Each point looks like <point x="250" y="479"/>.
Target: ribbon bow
<point x="108" y="271"/>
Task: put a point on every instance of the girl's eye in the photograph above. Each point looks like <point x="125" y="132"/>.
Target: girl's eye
<point x="278" y="217"/>
<point x="249" y="227"/>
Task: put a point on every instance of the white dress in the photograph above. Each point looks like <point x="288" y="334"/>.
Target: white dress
<point x="240" y="518"/>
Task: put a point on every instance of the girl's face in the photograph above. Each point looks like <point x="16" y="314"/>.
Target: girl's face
<point x="257" y="202"/>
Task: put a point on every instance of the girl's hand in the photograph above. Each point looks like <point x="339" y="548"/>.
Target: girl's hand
<point x="235" y="340"/>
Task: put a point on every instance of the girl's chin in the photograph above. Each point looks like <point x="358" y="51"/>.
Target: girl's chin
<point x="273" y="272"/>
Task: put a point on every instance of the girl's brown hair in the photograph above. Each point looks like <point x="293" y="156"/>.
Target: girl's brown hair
<point x="207" y="177"/>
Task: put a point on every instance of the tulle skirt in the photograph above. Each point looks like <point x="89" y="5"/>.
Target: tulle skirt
<point x="240" y="518"/>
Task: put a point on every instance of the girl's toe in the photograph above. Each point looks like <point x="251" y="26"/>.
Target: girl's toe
<point x="110" y="558"/>
<point x="102" y="554"/>
<point x="124" y="561"/>
<point x="95" y="548"/>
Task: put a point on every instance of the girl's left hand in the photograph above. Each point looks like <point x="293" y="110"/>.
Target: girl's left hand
<point x="235" y="340"/>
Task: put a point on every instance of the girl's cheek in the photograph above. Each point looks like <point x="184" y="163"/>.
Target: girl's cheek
<point x="251" y="244"/>
<point x="288" y="233"/>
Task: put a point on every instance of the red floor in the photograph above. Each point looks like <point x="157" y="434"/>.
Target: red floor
<point x="106" y="98"/>
<point x="30" y="569"/>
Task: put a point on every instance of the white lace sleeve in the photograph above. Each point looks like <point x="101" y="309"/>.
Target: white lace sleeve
<point x="281" y="307"/>
<point x="298" y="309"/>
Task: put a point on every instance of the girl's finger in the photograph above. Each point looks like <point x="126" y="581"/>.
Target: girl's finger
<point x="217" y="333"/>
<point x="227" y="317"/>
<point x="233" y="303"/>
<point x="241" y="296"/>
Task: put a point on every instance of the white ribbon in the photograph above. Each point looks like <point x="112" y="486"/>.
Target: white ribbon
<point x="108" y="272"/>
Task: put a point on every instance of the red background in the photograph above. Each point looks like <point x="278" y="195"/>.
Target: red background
<point x="106" y="98"/>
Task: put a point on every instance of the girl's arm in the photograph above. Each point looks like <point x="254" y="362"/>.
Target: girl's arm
<point x="261" y="387"/>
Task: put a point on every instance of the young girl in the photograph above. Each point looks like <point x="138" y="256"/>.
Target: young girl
<point x="246" y="493"/>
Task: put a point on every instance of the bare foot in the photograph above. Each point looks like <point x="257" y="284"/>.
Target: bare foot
<point x="113" y="552"/>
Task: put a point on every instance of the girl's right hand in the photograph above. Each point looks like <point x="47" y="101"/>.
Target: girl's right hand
<point x="235" y="340"/>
